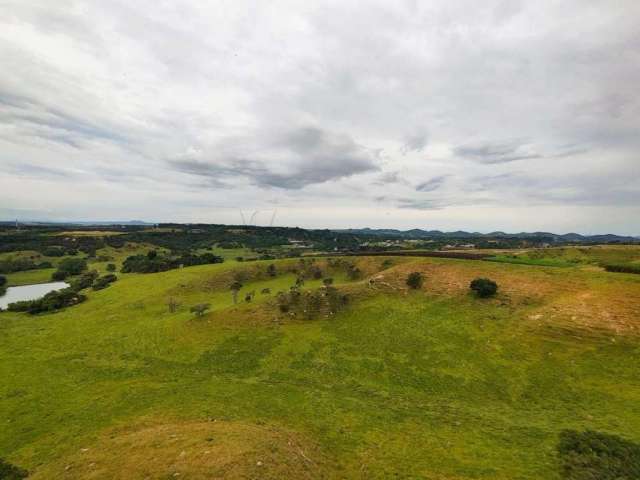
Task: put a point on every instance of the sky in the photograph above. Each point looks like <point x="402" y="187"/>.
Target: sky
<point x="482" y="116"/>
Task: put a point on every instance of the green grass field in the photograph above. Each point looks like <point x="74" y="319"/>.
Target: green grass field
<point x="574" y="256"/>
<point x="433" y="384"/>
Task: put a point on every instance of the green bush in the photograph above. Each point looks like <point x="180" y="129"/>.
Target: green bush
<point x="50" y="302"/>
<point x="415" y="280"/>
<point x="592" y="455"/>
<point x="11" y="265"/>
<point x="152" y="262"/>
<point x="104" y="282"/>
<point x="68" y="267"/>
<point x="111" y="267"/>
<point x="84" y="281"/>
<point x="271" y="270"/>
<point x="200" y="309"/>
<point x="59" y="276"/>
<point x="484" y="287"/>
<point x="11" y="472"/>
<point x="622" y="268"/>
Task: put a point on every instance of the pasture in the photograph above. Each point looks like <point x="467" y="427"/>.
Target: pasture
<point x="431" y="383"/>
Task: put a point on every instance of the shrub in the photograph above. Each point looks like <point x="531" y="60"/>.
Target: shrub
<point x="415" y="280"/>
<point x="622" y="268"/>
<point x="353" y="272"/>
<point x="484" y="287"/>
<point x="594" y="455"/>
<point x="68" y="267"/>
<point x="11" y="472"/>
<point x="53" y="252"/>
<point x="51" y="301"/>
<point x="327" y="282"/>
<point x="111" y="267"/>
<point x="271" y="270"/>
<point x="84" y="281"/>
<point x="59" y="276"/>
<point x="104" y="282"/>
<point x="11" y="265"/>
<point x="3" y="280"/>
<point x="316" y="273"/>
<point x="235" y="288"/>
<point x="172" y="304"/>
<point x="152" y="263"/>
<point x="200" y="309"/>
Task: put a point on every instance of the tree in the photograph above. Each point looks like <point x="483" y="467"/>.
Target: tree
<point x="353" y="272"/>
<point x="172" y="304"/>
<point x="111" y="267"/>
<point x="200" y="309"/>
<point x="484" y="287"/>
<point x="415" y="280"/>
<point x="59" y="275"/>
<point x="151" y="254"/>
<point x="3" y="280"/>
<point x="316" y="272"/>
<point x="71" y="266"/>
<point x="235" y="288"/>
<point x="271" y="270"/>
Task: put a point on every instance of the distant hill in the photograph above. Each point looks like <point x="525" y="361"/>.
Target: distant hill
<point x="80" y="223"/>
<point x="417" y="233"/>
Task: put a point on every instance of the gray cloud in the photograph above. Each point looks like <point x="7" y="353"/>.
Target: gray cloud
<point x="431" y="185"/>
<point x="415" y="204"/>
<point x="306" y="156"/>
<point x="415" y="143"/>
<point x="389" y="178"/>
<point x="492" y="153"/>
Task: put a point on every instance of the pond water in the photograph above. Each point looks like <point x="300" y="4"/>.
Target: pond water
<point x="29" y="292"/>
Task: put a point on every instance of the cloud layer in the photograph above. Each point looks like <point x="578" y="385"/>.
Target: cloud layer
<point x="506" y="115"/>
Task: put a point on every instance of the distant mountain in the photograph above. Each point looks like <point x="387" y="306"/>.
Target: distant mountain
<point x="417" y="233"/>
<point x="80" y="223"/>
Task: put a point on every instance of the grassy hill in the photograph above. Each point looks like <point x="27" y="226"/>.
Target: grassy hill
<point x="434" y="383"/>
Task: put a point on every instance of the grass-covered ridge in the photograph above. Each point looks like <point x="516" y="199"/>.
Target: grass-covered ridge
<point x="432" y="383"/>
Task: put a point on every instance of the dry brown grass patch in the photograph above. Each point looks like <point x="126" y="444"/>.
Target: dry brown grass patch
<point x="193" y="451"/>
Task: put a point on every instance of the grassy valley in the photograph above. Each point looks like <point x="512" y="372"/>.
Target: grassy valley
<point x="389" y="382"/>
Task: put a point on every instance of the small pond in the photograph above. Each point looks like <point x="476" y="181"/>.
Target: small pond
<point x="29" y="292"/>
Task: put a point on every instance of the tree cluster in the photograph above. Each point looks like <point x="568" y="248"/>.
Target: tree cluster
<point x="11" y="265"/>
<point x="50" y="302"/>
<point x="153" y="262"/>
<point x="622" y="268"/>
<point x="104" y="281"/>
<point x="69" y="267"/>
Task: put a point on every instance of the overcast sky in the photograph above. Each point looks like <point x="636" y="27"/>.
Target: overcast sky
<point x="418" y="114"/>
